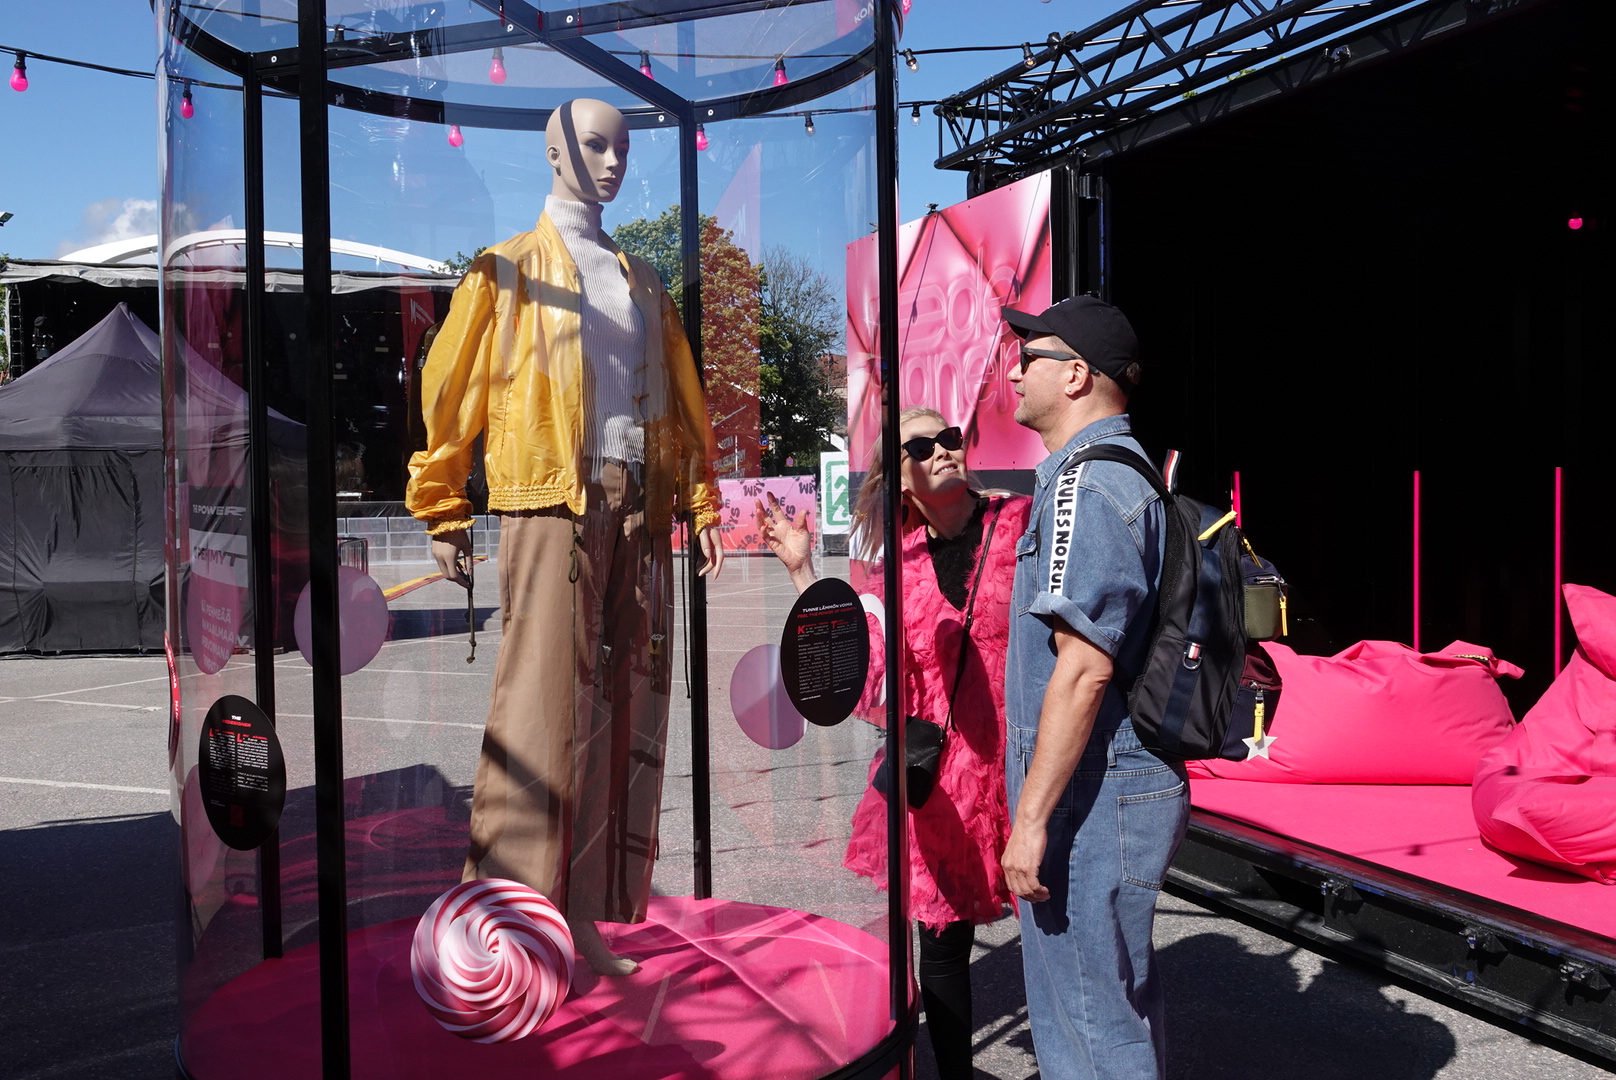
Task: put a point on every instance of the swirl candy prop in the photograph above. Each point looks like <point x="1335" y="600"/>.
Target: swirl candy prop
<point x="492" y="960"/>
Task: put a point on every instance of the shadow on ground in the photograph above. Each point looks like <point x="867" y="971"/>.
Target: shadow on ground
<point x="87" y="935"/>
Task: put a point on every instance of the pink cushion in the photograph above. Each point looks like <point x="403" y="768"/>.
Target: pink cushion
<point x="1380" y="713"/>
<point x="1548" y="791"/>
<point x="1424" y="831"/>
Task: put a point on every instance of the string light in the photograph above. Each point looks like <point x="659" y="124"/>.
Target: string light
<point x="455" y="138"/>
<point x="645" y="65"/>
<point x="187" y="109"/>
<point x="1026" y="54"/>
<point x="496" y="67"/>
<point x="914" y="116"/>
<point x="808" y="123"/>
<point x="780" y="71"/>
<point x="909" y="58"/>
<point x="701" y="137"/>
<point x="19" y="73"/>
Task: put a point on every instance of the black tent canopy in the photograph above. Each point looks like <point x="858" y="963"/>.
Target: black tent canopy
<point x="81" y="488"/>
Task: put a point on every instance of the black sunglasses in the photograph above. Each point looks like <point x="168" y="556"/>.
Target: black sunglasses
<point x="921" y="447"/>
<point x="1029" y="355"/>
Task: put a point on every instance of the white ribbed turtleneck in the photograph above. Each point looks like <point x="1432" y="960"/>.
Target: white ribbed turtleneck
<point x="613" y="334"/>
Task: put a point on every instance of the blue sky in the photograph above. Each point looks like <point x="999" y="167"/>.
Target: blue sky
<point x="82" y="145"/>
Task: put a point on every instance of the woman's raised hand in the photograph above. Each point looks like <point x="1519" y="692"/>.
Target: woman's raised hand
<point x="791" y="542"/>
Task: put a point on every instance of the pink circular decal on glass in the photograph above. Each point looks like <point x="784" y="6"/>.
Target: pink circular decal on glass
<point x="758" y="697"/>
<point x="362" y="619"/>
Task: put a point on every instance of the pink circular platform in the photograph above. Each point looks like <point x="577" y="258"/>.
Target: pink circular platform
<point x="725" y="991"/>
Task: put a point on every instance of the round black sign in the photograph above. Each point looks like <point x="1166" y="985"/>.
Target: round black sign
<point x="242" y="771"/>
<point x="825" y="652"/>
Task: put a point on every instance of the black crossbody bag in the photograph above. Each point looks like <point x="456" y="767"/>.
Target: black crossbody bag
<point x="924" y="741"/>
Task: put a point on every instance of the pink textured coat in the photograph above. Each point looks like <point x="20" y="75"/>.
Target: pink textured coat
<point x="955" y="840"/>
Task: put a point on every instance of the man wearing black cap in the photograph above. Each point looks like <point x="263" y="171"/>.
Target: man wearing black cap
<point x="1096" y="816"/>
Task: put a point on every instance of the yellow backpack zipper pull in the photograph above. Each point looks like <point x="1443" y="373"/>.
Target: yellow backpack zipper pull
<point x="1284" y="622"/>
<point x="1257" y="718"/>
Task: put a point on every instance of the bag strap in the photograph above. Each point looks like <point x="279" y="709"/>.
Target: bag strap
<point x="1123" y="456"/>
<point x="970" y="612"/>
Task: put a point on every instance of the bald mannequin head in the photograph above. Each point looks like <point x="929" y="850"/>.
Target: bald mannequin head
<point x="586" y="143"/>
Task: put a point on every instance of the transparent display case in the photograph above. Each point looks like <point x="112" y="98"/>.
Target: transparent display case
<point x="675" y="760"/>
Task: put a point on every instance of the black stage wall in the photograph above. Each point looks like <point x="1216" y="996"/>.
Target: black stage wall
<point x="1376" y="275"/>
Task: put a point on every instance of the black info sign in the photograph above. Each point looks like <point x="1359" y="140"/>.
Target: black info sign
<point x="242" y="771"/>
<point x="825" y="652"/>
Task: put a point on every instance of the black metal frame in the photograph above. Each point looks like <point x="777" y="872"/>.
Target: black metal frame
<point x="1550" y="979"/>
<point x="1148" y="54"/>
<point x="302" y="72"/>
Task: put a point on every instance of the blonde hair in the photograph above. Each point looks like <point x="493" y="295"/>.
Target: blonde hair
<point x="867" y="531"/>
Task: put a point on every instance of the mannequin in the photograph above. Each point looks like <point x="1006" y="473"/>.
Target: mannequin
<point x="569" y="357"/>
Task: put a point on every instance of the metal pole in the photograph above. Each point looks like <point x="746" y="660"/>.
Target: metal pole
<point x="886" y="218"/>
<point x="701" y="809"/>
<point x="263" y="517"/>
<point x="315" y="161"/>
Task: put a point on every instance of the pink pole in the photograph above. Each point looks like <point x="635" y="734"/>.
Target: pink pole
<point x="1416" y="560"/>
<point x="1236" y="507"/>
<point x="1559" y="566"/>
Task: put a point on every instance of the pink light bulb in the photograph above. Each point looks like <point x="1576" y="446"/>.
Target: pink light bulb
<point x="780" y="72"/>
<point x="187" y="109"/>
<point x="19" y="75"/>
<point x="496" y="67"/>
<point x="1574" y="223"/>
<point x="645" y="65"/>
<point x="455" y="138"/>
<point x="701" y="137"/>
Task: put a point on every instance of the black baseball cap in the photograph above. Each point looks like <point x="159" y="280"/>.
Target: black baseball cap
<point x="1100" y="333"/>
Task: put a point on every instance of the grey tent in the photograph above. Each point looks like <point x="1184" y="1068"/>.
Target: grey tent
<point x="81" y="488"/>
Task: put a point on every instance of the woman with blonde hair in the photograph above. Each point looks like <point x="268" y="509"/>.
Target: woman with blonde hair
<point x="953" y="536"/>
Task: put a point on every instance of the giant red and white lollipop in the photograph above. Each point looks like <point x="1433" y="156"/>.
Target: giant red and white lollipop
<point x="492" y="960"/>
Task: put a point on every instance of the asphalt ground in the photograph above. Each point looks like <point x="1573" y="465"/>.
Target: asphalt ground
<point x="88" y="878"/>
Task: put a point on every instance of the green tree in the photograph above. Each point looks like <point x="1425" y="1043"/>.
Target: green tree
<point x="802" y="328"/>
<point x="460" y="262"/>
<point x="731" y="312"/>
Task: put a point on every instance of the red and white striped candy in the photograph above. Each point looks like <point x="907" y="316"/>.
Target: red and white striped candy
<point x="492" y="960"/>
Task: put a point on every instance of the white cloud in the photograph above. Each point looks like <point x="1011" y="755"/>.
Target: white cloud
<point x="107" y="220"/>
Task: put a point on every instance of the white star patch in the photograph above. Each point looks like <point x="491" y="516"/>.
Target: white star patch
<point x="1258" y="747"/>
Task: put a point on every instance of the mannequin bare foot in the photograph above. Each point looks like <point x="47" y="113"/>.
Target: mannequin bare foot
<point x="586" y="937"/>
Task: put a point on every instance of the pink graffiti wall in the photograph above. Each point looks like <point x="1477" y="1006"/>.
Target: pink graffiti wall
<point x="955" y="267"/>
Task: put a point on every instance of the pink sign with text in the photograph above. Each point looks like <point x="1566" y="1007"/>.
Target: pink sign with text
<point x="955" y="268"/>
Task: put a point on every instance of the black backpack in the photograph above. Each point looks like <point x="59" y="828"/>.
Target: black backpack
<point x="1205" y="690"/>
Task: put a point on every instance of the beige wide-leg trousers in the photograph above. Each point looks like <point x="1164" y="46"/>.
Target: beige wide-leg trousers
<point x="569" y="787"/>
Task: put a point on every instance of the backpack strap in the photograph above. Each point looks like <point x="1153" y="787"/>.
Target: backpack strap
<point x="1123" y="456"/>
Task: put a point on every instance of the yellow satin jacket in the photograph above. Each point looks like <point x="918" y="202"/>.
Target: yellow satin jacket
<point x="508" y="364"/>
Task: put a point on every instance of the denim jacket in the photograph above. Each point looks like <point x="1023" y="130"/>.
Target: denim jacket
<point x="1091" y="557"/>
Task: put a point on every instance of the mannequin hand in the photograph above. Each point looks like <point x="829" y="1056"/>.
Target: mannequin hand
<point x="791" y="543"/>
<point x="712" y="551"/>
<point x="445" y="547"/>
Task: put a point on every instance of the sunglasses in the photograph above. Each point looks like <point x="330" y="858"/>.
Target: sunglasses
<point x="1029" y="355"/>
<point x="922" y="447"/>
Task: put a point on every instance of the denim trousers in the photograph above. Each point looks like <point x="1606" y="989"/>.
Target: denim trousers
<point x="1093" y="994"/>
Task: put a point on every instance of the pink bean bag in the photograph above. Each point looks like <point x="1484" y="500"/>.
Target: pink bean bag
<point x="1548" y="791"/>
<point x="1380" y="713"/>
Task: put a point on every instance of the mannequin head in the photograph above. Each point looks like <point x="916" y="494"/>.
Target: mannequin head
<point x="586" y="143"/>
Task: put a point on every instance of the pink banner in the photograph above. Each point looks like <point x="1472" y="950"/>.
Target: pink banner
<point x="798" y="495"/>
<point x="956" y="267"/>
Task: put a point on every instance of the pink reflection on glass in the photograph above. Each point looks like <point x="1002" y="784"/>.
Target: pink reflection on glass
<point x="455" y="138"/>
<point x="757" y="697"/>
<point x="701" y="137"/>
<point x="187" y="109"/>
